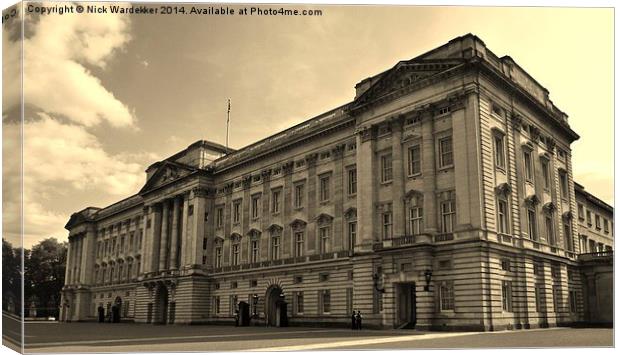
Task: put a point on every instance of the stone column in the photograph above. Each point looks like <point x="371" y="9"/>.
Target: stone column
<point x="429" y="173"/>
<point x="69" y="262"/>
<point x="366" y="185"/>
<point x="163" y="247"/>
<point x="154" y="237"/>
<point x="198" y="227"/>
<point x="184" y="240"/>
<point x="88" y="255"/>
<point x="174" y="233"/>
<point x="398" y="177"/>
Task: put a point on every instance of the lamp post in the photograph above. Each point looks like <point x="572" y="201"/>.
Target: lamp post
<point x="428" y="274"/>
<point x="255" y="304"/>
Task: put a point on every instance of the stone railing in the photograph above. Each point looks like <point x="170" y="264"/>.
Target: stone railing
<point x="287" y="261"/>
<point x="598" y="255"/>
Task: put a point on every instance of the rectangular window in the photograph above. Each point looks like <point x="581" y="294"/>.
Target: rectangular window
<point x="275" y="247"/>
<point x="507" y="296"/>
<point x="275" y="201"/>
<point x="527" y="163"/>
<point x="544" y="164"/>
<point x="299" y="195"/>
<point x="299" y="244"/>
<point x="597" y="221"/>
<point x="326" y="302"/>
<point x="568" y="236"/>
<point x="387" y="225"/>
<point x="415" y="220"/>
<point x="255" y="206"/>
<point x="580" y="211"/>
<point x="352" y="181"/>
<point x="415" y="160"/>
<point x="505" y="264"/>
<point x="589" y="218"/>
<point x="219" y="217"/>
<point x="605" y="225"/>
<point x="540" y="297"/>
<point x="235" y="254"/>
<point x="557" y="301"/>
<point x="218" y="256"/>
<point x="448" y="216"/>
<point x="502" y="216"/>
<point x="500" y="156"/>
<point x="446" y="296"/>
<point x="349" y="300"/>
<point x="216" y="304"/>
<point x="324" y="189"/>
<point x="445" y="152"/>
<point x="549" y="230"/>
<point x="564" y="184"/>
<point x="233" y="300"/>
<point x="324" y="239"/>
<point x="255" y="256"/>
<point x="204" y="243"/>
<point x="299" y="302"/>
<point x="237" y="211"/>
<point x="531" y="224"/>
<point x="352" y="231"/>
<point x="572" y="299"/>
<point x="386" y="168"/>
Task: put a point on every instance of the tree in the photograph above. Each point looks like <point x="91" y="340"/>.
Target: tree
<point x="45" y="274"/>
<point x="11" y="277"/>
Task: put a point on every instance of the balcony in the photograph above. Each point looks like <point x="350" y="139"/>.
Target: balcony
<point x="409" y="240"/>
<point x="607" y="255"/>
<point x="282" y="262"/>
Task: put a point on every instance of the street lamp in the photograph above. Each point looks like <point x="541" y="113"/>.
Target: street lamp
<point x="255" y="303"/>
<point x="427" y="276"/>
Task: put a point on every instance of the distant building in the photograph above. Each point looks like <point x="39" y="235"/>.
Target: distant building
<point x="441" y="197"/>
<point x="595" y="219"/>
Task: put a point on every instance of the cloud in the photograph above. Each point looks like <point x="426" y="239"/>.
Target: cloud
<point x="56" y="76"/>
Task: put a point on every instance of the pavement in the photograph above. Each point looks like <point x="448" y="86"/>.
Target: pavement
<point x="52" y="337"/>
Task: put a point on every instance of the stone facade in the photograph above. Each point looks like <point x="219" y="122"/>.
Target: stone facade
<point x="441" y="197"/>
<point x="595" y="221"/>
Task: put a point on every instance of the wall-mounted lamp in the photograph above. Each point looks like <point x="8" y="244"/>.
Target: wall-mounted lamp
<point x="428" y="274"/>
<point x="375" y="279"/>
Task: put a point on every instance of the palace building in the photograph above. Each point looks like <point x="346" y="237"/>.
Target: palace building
<point x="440" y="197"/>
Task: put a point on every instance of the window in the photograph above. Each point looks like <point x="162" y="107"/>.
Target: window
<point x="445" y="152"/>
<point x="218" y="256"/>
<point x="415" y="220"/>
<point x="415" y="160"/>
<point x="298" y="279"/>
<point x="527" y="163"/>
<point x="237" y="211"/>
<point x="204" y="260"/>
<point x="324" y="189"/>
<point x="255" y="206"/>
<point x="216" y="304"/>
<point x="564" y="184"/>
<point x="507" y="296"/>
<point x="122" y="248"/>
<point x="299" y="195"/>
<point x="549" y="229"/>
<point x="446" y="296"/>
<point x="275" y="201"/>
<point x="597" y="221"/>
<point x="445" y="264"/>
<point x="204" y="243"/>
<point x="531" y="224"/>
<point x="502" y="216"/>
<point x="557" y="294"/>
<point x="326" y="302"/>
<point x="555" y="271"/>
<point x="580" y="211"/>
<point x="605" y="225"/>
<point x="235" y="253"/>
<point x="324" y="277"/>
<point x="255" y="245"/>
<point x="500" y="155"/>
<point x="324" y="239"/>
<point x="589" y="218"/>
<point x="275" y="247"/>
<point x="544" y="164"/>
<point x="387" y="225"/>
<point x="568" y="236"/>
<point x="540" y="297"/>
<point x="572" y="300"/>
<point x="352" y="231"/>
<point x="232" y="304"/>
<point x="131" y="242"/>
<point x="219" y="217"/>
<point x="352" y="181"/>
<point x="299" y="302"/>
<point x="349" y="300"/>
<point x="253" y="283"/>
<point x="386" y="168"/>
<point x="448" y="216"/>
<point x="299" y="244"/>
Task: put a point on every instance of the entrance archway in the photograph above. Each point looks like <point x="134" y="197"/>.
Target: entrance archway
<point x="161" y="305"/>
<point x="275" y="307"/>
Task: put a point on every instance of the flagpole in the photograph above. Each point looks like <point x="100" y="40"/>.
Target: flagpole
<point x="227" y="124"/>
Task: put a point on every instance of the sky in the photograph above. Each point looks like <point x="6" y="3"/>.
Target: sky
<point x="108" y="95"/>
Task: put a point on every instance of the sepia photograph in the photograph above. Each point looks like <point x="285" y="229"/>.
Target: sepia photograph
<point x="234" y="177"/>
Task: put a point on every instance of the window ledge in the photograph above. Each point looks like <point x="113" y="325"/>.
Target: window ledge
<point x="445" y="168"/>
<point x="413" y="176"/>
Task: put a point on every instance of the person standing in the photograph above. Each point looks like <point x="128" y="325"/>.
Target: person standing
<point x="358" y="320"/>
<point x="353" y="321"/>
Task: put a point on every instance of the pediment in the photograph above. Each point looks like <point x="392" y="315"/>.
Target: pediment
<point x="403" y="76"/>
<point x="166" y="173"/>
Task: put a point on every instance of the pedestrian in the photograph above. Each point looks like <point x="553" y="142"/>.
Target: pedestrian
<point x="236" y="318"/>
<point x="353" y="321"/>
<point x="358" y="320"/>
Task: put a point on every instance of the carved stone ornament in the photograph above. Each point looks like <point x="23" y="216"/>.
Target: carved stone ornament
<point x="287" y="167"/>
<point x="311" y="159"/>
<point x="549" y="207"/>
<point x="298" y="224"/>
<point x="567" y="216"/>
<point x="532" y="200"/>
<point x="338" y="151"/>
<point x="503" y="189"/>
<point x="517" y="121"/>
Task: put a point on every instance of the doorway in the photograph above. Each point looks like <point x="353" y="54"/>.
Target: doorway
<point x="116" y="310"/>
<point x="406" y="303"/>
<point x="161" y="303"/>
<point x="276" y="307"/>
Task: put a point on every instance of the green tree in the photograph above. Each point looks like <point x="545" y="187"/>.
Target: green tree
<point x="11" y="277"/>
<point x="45" y="274"/>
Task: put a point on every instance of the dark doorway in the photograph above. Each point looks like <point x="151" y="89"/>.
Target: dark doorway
<point x="116" y="310"/>
<point x="276" y="307"/>
<point x="161" y="304"/>
<point x="406" y="303"/>
<point x="244" y="314"/>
